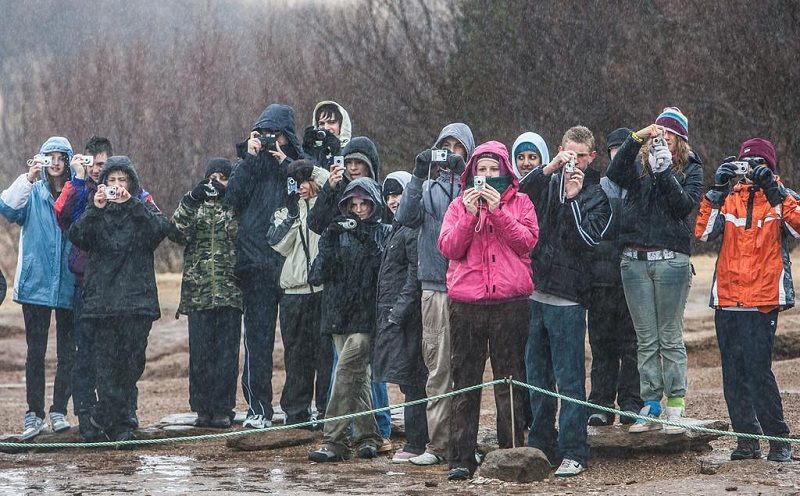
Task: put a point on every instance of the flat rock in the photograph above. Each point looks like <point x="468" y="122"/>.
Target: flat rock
<point x="258" y="441"/>
<point x="615" y="440"/>
<point x="516" y="465"/>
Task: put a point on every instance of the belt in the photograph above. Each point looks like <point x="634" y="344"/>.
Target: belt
<point x="649" y="255"/>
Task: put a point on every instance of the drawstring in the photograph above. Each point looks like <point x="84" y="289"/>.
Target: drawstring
<point x="481" y="217"/>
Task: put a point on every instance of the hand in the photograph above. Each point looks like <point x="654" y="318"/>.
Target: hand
<point x="573" y="183"/>
<point x="310" y="138"/>
<point x="649" y="131"/>
<point x="277" y="153"/>
<point x="254" y="144"/>
<point x="492" y="197"/>
<point x="422" y="164"/>
<point x="77" y="166"/>
<point x="219" y="187"/>
<point x="455" y="163"/>
<point x="563" y="157"/>
<point x="293" y="205"/>
<point x="765" y="179"/>
<point x="331" y="143"/>
<point x="660" y="158"/>
<point x="122" y="195"/>
<point x="33" y="172"/>
<point x="724" y="174"/>
<point x="343" y="224"/>
<point x="337" y="174"/>
<point x="200" y="192"/>
<point x="100" y="199"/>
<point x="470" y="200"/>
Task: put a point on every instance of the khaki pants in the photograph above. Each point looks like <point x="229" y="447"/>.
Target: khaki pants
<point x="436" y="353"/>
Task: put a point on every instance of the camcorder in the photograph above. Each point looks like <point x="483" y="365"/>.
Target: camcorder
<point x="42" y="160"/>
<point x="87" y="160"/>
<point x="269" y="141"/>
<point x="439" y="156"/>
<point x="569" y="167"/>
<point x="291" y="186"/>
<point x="111" y="192"/>
<point x="479" y="183"/>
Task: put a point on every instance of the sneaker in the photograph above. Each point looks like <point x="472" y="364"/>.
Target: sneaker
<point x="599" y="419"/>
<point x="33" y="426"/>
<point x="426" y="458"/>
<point x="220" y="421"/>
<point x="386" y="447"/>
<point x="674" y="414"/>
<point x="569" y="468"/>
<point x="203" y="420"/>
<point x="779" y="452"/>
<point x="746" y="449"/>
<point x="459" y="474"/>
<point x="652" y="410"/>
<point x="326" y="454"/>
<point x="367" y="451"/>
<point x="401" y="456"/>
<point x="256" y="422"/>
<point x="58" y="421"/>
<point x="479" y="456"/>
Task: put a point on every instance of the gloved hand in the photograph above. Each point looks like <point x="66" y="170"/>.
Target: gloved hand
<point x="343" y="223"/>
<point x="331" y="143"/>
<point x="660" y="158"/>
<point x="293" y="205"/>
<point x="422" y="164"/>
<point x="363" y="232"/>
<point x="309" y="138"/>
<point x="200" y="192"/>
<point x="722" y="182"/>
<point x="765" y="179"/>
<point x="455" y="163"/>
<point x="219" y="187"/>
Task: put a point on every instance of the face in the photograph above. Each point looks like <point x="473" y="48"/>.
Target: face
<point x="305" y="191"/>
<point x="672" y="141"/>
<point x="97" y="166"/>
<point x="526" y="161"/>
<point x="454" y="146"/>
<point x="585" y="155"/>
<point x="217" y="176"/>
<point x="487" y="168"/>
<point x="356" y="168"/>
<point x="329" y="122"/>
<point x="361" y="208"/>
<point x="613" y="151"/>
<point x="393" y="201"/>
<point x="118" y="179"/>
<point x="59" y="164"/>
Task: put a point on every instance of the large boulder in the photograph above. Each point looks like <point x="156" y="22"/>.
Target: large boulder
<point x="516" y="465"/>
<point x="615" y="440"/>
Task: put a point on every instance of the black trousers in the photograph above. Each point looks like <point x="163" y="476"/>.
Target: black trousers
<point x="214" y="337"/>
<point x="416" y="419"/>
<point x="37" y="327"/>
<point x="612" y="338"/>
<point x="307" y="356"/>
<point x="120" y="345"/>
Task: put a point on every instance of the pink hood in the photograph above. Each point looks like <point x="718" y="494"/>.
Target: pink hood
<point x="496" y="148"/>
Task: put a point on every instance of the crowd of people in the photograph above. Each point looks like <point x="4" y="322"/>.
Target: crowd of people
<point x="414" y="279"/>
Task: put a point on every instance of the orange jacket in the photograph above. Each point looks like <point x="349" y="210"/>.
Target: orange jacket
<point x="753" y="268"/>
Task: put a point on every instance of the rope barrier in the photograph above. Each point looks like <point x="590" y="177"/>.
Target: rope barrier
<point x="314" y="423"/>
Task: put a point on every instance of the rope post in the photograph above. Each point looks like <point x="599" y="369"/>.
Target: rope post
<point x="513" y="427"/>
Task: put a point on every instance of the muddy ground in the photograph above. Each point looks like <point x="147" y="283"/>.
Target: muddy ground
<point x="212" y="468"/>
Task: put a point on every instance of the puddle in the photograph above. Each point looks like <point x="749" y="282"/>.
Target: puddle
<point x="171" y="473"/>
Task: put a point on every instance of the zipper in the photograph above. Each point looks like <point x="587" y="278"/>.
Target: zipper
<point x="213" y="259"/>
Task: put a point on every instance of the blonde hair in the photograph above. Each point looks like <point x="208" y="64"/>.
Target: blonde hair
<point x="581" y="135"/>
<point x="313" y="188"/>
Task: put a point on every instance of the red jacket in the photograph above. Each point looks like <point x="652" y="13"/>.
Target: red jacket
<point x="489" y="253"/>
<point x="753" y="268"/>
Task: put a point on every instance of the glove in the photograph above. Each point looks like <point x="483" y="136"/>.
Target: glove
<point x="363" y="232"/>
<point x="309" y="138"/>
<point x="765" y="179"/>
<point x="455" y="163"/>
<point x="331" y="143"/>
<point x="219" y="187"/>
<point x="200" y="192"/>
<point x="422" y="164"/>
<point x="722" y="182"/>
<point x="343" y="224"/>
<point x="660" y="158"/>
<point x="293" y="205"/>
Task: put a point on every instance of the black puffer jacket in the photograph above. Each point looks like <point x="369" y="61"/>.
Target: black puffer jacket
<point x="326" y="207"/>
<point x="120" y="239"/>
<point x="397" y="351"/>
<point x="567" y="231"/>
<point x="658" y="211"/>
<point x="348" y="264"/>
<point x="257" y="188"/>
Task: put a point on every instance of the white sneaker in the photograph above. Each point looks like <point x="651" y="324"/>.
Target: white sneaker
<point x="33" y="426"/>
<point x="59" y="422"/>
<point x="643" y="425"/>
<point x="256" y="422"/>
<point x="426" y="458"/>
<point x="569" y="468"/>
<point x="674" y="414"/>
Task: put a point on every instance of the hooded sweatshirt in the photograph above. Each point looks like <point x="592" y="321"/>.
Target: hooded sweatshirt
<point x="346" y="128"/>
<point x="424" y="205"/>
<point x="537" y="141"/>
<point x="42" y="277"/>
<point x="489" y="252"/>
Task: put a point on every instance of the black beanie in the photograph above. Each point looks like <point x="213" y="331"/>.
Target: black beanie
<point x="300" y="170"/>
<point x="221" y="165"/>
<point x="617" y="137"/>
<point x="392" y="187"/>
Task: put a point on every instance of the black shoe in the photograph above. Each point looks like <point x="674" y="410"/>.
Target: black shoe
<point x="133" y="421"/>
<point x="779" y="452"/>
<point x="599" y="419"/>
<point x="220" y="421"/>
<point x="125" y="435"/>
<point x="628" y="420"/>
<point x="325" y="455"/>
<point x="367" y="451"/>
<point x="459" y="474"/>
<point x="203" y="420"/>
<point x="746" y="449"/>
<point x="87" y="430"/>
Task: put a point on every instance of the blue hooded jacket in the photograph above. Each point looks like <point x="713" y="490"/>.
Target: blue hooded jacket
<point x="42" y="277"/>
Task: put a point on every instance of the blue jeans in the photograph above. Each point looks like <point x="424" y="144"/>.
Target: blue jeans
<point x="554" y="358"/>
<point x="656" y="293"/>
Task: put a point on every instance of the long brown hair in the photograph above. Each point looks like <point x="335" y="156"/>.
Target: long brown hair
<point x="680" y="157"/>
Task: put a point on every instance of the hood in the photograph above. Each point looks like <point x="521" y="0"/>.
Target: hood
<point x="496" y="148"/>
<point x="461" y="132"/>
<point x="346" y="130"/>
<point x="402" y="177"/>
<point x="537" y="141"/>
<point x="280" y="117"/>
<point x="122" y="163"/>
<point x="370" y="187"/>
<point x="57" y="144"/>
<point x="365" y="146"/>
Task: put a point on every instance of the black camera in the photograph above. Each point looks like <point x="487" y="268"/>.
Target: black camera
<point x="268" y="141"/>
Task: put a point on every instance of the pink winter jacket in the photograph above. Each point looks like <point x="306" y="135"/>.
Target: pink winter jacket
<point x="489" y="253"/>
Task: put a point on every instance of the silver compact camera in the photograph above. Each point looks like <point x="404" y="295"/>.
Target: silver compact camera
<point x="87" y="160"/>
<point x="569" y="167"/>
<point x="111" y="192"/>
<point x="338" y="160"/>
<point x="742" y="167"/>
<point x="41" y="159"/>
<point x="291" y="186"/>
<point x="438" y="156"/>
<point x="479" y="183"/>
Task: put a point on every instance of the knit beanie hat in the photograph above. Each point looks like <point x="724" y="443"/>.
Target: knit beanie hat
<point x="362" y="157"/>
<point x="300" y="170"/>
<point x="392" y="186"/>
<point x="758" y="147"/>
<point x="674" y="121"/>
<point x="527" y="146"/>
<point x="218" y="164"/>
<point x="489" y="156"/>
<point x="617" y="137"/>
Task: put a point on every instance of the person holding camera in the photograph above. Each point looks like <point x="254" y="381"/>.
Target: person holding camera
<point x="120" y="298"/>
<point x="330" y="130"/>
<point x="487" y="235"/>
<point x="349" y="258"/>
<point x="573" y="216"/>
<point x="529" y="151"/>
<point x="757" y="218"/>
<point x="43" y="283"/>
<point x="664" y="180"/>
<point x="425" y="200"/>
<point x="207" y="227"/>
<point x="307" y="354"/>
<point x="256" y="189"/>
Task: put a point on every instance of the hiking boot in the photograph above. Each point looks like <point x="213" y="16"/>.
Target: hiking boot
<point x="367" y="451"/>
<point x="600" y="419"/>
<point x="203" y="420"/>
<point x="401" y="456"/>
<point x="459" y="474"/>
<point x="569" y="468"/>
<point x="426" y="458"/>
<point x="33" y="426"/>
<point x="651" y="409"/>
<point x="746" y="449"/>
<point x="58" y="422"/>
<point x="220" y="421"/>
<point x="779" y="452"/>
<point x="256" y="422"/>
<point x="326" y="454"/>
<point x="87" y="430"/>
<point x="674" y="414"/>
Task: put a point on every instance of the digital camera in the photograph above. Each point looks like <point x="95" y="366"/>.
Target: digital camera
<point x="569" y="167"/>
<point x="268" y="141"/>
<point x="479" y="183"/>
<point x="43" y="160"/>
<point x="87" y="160"/>
<point x="291" y="186"/>
<point x="742" y="167"/>
<point x="338" y="160"/>
<point x="111" y="192"/>
<point x="439" y="156"/>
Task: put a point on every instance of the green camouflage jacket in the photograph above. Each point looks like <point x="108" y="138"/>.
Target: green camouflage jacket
<point x="208" y="231"/>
